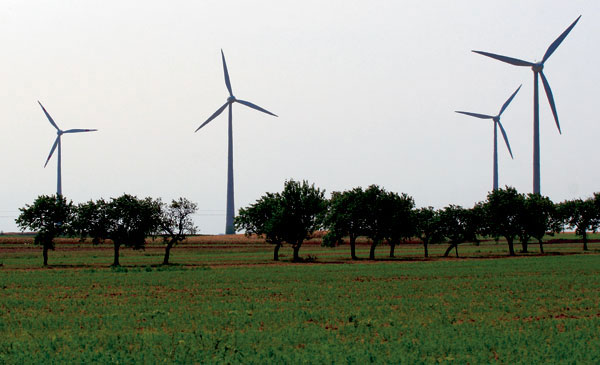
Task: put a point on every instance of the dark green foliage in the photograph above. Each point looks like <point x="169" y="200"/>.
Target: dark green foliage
<point x="264" y="219"/>
<point x="400" y="219"/>
<point x="537" y="218"/>
<point x="458" y="225"/>
<point x="176" y="223"/>
<point x="92" y="220"/>
<point x="503" y="208"/>
<point x="582" y="215"/>
<point x="50" y="216"/>
<point x="303" y="209"/>
<point x="428" y="227"/>
<point x="125" y="220"/>
<point x="377" y="216"/>
<point x="346" y="216"/>
<point x="291" y="216"/>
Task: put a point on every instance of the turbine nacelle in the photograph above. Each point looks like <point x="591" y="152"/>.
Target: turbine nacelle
<point x="231" y="99"/>
<point x="538" y="67"/>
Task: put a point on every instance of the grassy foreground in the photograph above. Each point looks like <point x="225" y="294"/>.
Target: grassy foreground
<point x="510" y="310"/>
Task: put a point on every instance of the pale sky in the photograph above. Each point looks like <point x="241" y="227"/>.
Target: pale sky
<point x="365" y="92"/>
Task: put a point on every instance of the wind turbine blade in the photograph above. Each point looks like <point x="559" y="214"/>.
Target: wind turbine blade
<point x="512" y="61"/>
<point x="52" y="150"/>
<point x="550" y="100"/>
<point x="481" y="116"/>
<point x="509" y="100"/>
<point x="559" y="40"/>
<point x="254" y="106"/>
<point x="79" y="130"/>
<point x="215" y="114"/>
<point x="49" y="117"/>
<point x="505" y="138"/>
<point x="227" y="82"/>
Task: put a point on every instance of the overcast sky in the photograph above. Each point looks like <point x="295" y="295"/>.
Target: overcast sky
<point x="365" y="92"/>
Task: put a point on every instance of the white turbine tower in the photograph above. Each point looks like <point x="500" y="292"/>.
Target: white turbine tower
<point x="537" y="70"/>
<point x="229" y="229"/>
<point x="56" y="145"/>
<point x="496" y="119"/>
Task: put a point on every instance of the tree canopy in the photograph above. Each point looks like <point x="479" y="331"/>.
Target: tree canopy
<point x="50" y="216"/>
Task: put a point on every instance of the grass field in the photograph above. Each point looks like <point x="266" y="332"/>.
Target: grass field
<point x="226" y="301"/>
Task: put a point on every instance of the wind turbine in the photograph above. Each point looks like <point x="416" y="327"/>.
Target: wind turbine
<point x="537" y="70"/>
<point x="229" y="229"/>
<point x="56" y="144"/>
<point x="497" y="124"/>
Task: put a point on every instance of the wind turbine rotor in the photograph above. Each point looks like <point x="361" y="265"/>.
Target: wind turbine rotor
<point x="215" y="114"/>
<point x="49" y="117"/>
<point x="52" y="150"/>
<point x="550" y="100"/>
<point x="79" y="130"/>
<point x="254" y="106"/>
<point x="476" y="115"/>
<point x="227" y="81"/>
<point x="509" y="100"/>
<point x="512" y="61"/>
<point x="504" y="136"/>
<point x="559" y="40"/>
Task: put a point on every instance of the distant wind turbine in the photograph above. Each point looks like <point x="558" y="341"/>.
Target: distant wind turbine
<point x="229" y="229"/>
<point x="537" y="69"/>
<point x="59" y="133"/>
<point x="497" y="124"/>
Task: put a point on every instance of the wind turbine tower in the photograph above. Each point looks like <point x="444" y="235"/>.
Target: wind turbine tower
<point x="229" y="229"/>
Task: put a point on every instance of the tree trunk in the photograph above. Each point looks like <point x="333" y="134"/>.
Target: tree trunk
<point x="276" y="252"/>
<point x="296" y="256"/>
<point x="541" y="246"/>
<point x="167" y="253"/>
<point x="353" y="247"/>
<point x="45" y="254"/>
<point x="372" y="251"/>
<point x="511" y="249"/>
<point x="524" y="245"/>
<point x="392" y="248"/>
<point x="452" y="245"/>
<point x="425" y="247"/>
<point x="585" y="248"/>
<point x="456" y="250"/>
<point x="116" y="249"/>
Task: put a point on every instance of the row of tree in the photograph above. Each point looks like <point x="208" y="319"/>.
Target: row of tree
<point x="293" y="215"/>
<point x="126" y="221"/>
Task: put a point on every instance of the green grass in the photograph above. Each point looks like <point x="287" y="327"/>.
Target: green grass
<point x="529" y="309"/>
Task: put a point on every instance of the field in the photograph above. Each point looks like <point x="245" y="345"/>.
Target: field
<point x="226" y="301"/>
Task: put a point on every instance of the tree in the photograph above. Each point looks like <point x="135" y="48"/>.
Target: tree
<point x="263" y="218"/>
<point x="457" y="226"/>
<point x="345" y="217"/>
<point x="92" y="220"/>
<point x="377" y="216"/>
<point x="125" y="220"/>
<point x="428" y="227"/>
<point x="290" y="216"/>
<point x="303" y="207"/>
<point x="503" y="208"/>
<point x="537" y="219"/>
<point x="176" y="223"/>
<point x="582" y="215"/>
<point x="50" y="216"/>
<point x="400" y="224"/>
